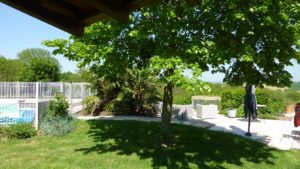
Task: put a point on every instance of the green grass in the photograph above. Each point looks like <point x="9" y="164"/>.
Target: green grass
<point x="132" y="144"/>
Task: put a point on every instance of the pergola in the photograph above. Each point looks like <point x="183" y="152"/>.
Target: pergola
<point x="73" y="15"/>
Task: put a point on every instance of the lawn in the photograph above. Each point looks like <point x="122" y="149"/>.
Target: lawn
<point x="133" y="144"/>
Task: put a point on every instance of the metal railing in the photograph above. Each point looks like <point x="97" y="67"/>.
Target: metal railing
<point x="36" y="95"/>
<point x="27" y="90"/>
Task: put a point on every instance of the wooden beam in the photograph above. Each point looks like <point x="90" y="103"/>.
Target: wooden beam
<point x="31" y="8"/>
<point x="60" y="7"/>
<point x="137" y="4"/>
<point x="92" y="19"/>
<point x="107" y="6"/>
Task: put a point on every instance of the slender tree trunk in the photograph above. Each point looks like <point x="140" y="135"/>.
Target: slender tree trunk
<point x="167" y="112"/>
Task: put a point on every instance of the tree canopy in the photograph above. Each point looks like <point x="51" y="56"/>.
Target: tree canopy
<point x="255" y="39"/>
<point x="27" y="55"/>
<point x="10" y="69"/>
<point x="39" y="66"/>
<point x="80" y="75"/>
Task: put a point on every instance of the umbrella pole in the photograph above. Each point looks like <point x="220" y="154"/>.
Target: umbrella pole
<point x="249" y="122"/>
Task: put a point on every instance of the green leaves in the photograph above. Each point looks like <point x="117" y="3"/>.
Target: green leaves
<point x="239" y="16"/>
<point x="174" y="71"/>
<point x="256" y="39"/>
<point x="39" y="66"/>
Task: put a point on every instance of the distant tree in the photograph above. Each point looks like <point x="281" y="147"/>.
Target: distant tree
<point x="69" y="77"/>
<point x="85" y="74"/>
<point x="10" y="69"/>
<point x="81" y="75"/>
<point x="28" y="54"/>
<point x="39" y="66"/>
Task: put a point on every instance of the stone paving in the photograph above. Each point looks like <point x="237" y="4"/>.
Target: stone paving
<point x="275" y="133"/>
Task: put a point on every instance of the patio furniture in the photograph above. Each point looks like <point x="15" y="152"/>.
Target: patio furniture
<point x="206" y="106"/>
<point x="206" y="111"/>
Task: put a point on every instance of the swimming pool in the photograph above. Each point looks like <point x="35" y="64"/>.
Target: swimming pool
<point x="10" y="113"/>
<point x="8" y="107"/>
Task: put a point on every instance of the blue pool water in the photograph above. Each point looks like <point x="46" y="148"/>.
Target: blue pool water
<point x="11" y="114"/>
<point x="8" y="107"/>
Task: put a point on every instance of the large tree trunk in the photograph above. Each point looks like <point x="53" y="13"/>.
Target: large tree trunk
<point x="167" y="112"/>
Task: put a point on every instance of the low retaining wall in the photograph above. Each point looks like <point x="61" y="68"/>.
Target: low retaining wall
<point x="179" y="111"/>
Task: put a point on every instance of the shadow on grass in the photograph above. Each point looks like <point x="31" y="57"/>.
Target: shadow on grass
<point x="192" y="146"/>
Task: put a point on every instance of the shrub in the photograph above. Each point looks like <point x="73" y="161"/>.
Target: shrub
<point x="20" y="131"/>
<point x="272" y="99"/>
<point x="123" y="104"/>
<point x="232" y="99"/>
<point x="291" y="96"/>
<point x="263" y="97"/>
<point x="91" y="103"/>
<point x="185" y="99"/>
<point x="2" y="133"/>
<point x="57" y="125"/>
<point x="240" y="111"/>
<point x="57" y="120"/>
<point x="59" y="106"/>
<point x="137" y="94"/>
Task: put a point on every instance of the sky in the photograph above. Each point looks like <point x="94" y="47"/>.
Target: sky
<point x="19" y="31"/>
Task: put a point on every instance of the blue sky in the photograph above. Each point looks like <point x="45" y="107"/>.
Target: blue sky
<point x="19" y="31"/>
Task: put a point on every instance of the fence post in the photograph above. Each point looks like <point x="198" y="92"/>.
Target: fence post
<point x="71" y="95"/>
<point x="36" y="121"/>
<point x="61" y="88"/>
<point x="81" y="90"/>
<point x="18" y="90"/>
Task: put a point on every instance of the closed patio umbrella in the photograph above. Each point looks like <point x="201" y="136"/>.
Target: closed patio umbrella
<point x="250" y="105"/>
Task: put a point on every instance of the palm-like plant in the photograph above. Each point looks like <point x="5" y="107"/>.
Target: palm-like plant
<point x="138" y="93"/>
<point x="107" y="89"/>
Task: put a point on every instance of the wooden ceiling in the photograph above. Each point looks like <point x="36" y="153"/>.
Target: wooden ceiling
<point x="73" y="15"/>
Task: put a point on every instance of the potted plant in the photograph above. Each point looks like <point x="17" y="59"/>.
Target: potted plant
<point x="231" y="112"/>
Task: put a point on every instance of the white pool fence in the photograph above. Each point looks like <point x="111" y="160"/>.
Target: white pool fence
<point x="15" y="97"/>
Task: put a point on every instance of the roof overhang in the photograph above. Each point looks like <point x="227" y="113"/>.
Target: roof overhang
<point x="73" y="16"/>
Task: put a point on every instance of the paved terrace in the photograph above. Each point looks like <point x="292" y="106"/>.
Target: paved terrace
<point x="275" y="133"/>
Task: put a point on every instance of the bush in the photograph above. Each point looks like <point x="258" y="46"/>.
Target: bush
<point x="20" y="131"/>
<point x="263" y="97"/>
<point x="232" y="99"/>
<point x="184" y="100"/>
<point x="2" y="133"/>
<point x="57" y="125"/>
<point x="57" y="120"/>
<point x="272" y="99"/>
<point x="123" y="104"/>
<point x="291" y="96"/>
<point x="240" y="111"/>
<point x="91" y="103"/>
<point x="59" y="106"/>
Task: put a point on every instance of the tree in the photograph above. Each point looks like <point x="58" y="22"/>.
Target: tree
<point x="140" y="43"/>
<point x="69" y="77"/>
<point x="28" y="54"/>
<point x="39" y="66"/>
<point x="80" y="75"/>
<point x="257" y="39"/>
<point x="173" y="37"/>
<point x="10" y="69"/>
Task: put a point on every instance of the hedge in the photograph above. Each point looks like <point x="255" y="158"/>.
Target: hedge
<point x="235" y="99"/>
